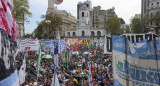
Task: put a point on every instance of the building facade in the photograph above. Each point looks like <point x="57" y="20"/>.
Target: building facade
<point x="20" y="23"/>
<point x="84" y="27"/>
<point x="69" y="21"/>
<point x="87" y="3"/>
<point x="98" y="16"/>
<point x="149" y="9"/>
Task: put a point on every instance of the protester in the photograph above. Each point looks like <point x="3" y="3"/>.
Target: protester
<point x="73" y="70"/>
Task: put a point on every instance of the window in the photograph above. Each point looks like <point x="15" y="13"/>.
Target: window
<point x="68" y="34"/>
<point x="83" y="33"/>
<point x="92" y="33"/>
<point x="87" y="14"/>
<point x="157" y="4"/>
<point x="151" y="14"/>
<point x="74" y="34"/>
<point x="82" y="14"/>
<point x="150" y="22"/>
<point x="98" y="33"/>
<point x="87" y="5"/>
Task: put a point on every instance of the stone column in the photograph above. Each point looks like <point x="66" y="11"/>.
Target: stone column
<point x="50" y="4"/>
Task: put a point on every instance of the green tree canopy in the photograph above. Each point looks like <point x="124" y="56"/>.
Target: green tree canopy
<point x="127" y="30"/>
<point x="49" y="29"/>
<point x="113" y="25"/>
<point x="136" y="24"/>
<point x="156" y="21"/>
<point x="21" y="9"/>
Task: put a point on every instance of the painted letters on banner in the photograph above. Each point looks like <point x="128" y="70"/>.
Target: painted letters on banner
<point x="139" y="68"/>
<point x="85" y="42"/>
<point x="72" y="40"/>
<point x="29" y="45"/>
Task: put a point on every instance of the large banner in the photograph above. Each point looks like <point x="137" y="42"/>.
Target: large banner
<point x="85" y="42"/>
<point x="29" y="45"/>
<point x="137" y="65"/>
<point x="49" y="46"/>
<point x="72" y="40"/>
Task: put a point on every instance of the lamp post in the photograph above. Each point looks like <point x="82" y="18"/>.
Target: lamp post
<point x="48" y="30"/>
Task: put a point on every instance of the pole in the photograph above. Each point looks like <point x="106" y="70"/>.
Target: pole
<point x="127" y="78"/>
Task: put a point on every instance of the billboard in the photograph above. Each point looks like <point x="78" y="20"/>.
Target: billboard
<point x="136" y="65"/>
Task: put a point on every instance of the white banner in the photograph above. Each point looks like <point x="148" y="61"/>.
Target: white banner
<point x="29" y="45"/>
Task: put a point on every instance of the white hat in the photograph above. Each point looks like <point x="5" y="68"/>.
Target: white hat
<point x="82" y="73"/>
<point x="35" y="83"/>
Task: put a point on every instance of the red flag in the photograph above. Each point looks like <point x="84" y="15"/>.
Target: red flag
<point x="91" y="70"/>
<point x="75" y="47"/>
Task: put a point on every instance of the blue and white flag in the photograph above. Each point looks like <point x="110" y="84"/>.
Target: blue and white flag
<point x="22" y="72"/>
<point x="11" y="80"/>
<point x="140" y="68"/>
<point x="56" y="53"/>
<point x="59" y="42"/>
<point x="55" y="81"/>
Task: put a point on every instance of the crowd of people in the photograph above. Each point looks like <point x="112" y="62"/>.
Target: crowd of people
<point x="73" y="69"/>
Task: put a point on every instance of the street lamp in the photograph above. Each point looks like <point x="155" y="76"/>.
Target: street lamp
<point x="48" y="22"/>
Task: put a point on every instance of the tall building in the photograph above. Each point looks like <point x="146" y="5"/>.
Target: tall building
<point x="150" y="8"/>
<point x="98" y="16"/>
<point x="69" y="21"/>
<point x="144" y="8"/>
<point x="87" y="3"/>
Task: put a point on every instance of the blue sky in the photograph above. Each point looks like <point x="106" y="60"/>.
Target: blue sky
<point x="123" y="8"/>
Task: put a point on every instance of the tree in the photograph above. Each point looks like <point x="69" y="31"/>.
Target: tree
<point x="113" y="25"/>
<point x="21" y="9"/>
<point x="136" y="24"/>
<point x="49" y="29"/>
<point x="156" y="20"/>
<point x="127" y="30"/>
<point x="27" y="35"/>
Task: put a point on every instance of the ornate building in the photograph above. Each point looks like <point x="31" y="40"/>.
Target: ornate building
<point x="91" y="21"/>
<point x="69" y="21"/>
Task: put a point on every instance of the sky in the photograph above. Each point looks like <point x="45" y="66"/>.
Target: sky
<point x="123" y="8"/>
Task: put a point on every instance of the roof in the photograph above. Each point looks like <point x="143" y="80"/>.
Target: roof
<point x="71" y="29"/>
<point x="96" y="28"/>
